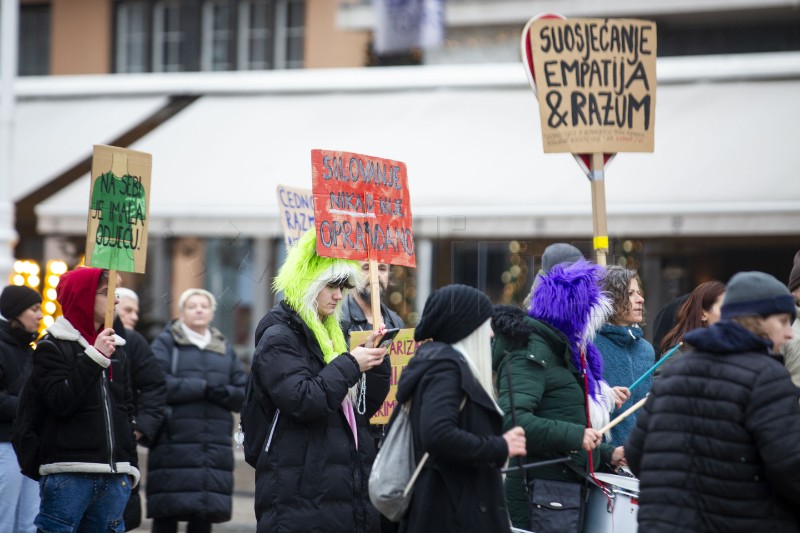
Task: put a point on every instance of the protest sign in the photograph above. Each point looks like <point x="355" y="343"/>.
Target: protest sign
<point x="296" y="206"/>
<point x="400" y="352"/>
<point x="362" y="208"/>
<point x="119" y="204"/>
<point x="596" y="84"/>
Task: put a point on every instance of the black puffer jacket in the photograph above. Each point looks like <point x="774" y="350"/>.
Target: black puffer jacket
<point x="190" y="466"/>
<point x="717" y="445"/>
<point x="460" y="488"/>
<point x="312" y="478"/>
<point x="16" y="356"/>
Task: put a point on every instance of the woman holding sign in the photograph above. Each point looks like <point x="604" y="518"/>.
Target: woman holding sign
<point x="313" y="469"/>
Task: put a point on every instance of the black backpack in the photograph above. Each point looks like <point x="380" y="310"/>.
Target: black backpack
<point x="253" y="420"/>
<point x="26" y="430"/>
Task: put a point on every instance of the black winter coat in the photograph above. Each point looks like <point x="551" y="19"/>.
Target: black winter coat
<point x="89" y="408"/>
<point x="16" y="356"/>
<point x="190" y="466"/>
<point x="312" y="478"/>
<point x="717" y="444"/>
<point x="147" y="383"/>
<point x="460" y="488"/>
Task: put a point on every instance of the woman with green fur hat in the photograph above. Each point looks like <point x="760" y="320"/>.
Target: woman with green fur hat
<point x="313" y="471"/>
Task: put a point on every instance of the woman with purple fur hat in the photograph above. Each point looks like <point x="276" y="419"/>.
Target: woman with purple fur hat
<point x="555" y="375"/>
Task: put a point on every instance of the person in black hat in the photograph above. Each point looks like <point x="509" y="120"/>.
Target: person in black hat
<point x="456" y="418"/>
<point x="22" y="311"/>
<point x="717" y="444"/>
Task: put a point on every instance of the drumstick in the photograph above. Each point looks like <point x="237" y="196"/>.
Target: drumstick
<point x="658" y="363"/>
<point x="623" y="416"/>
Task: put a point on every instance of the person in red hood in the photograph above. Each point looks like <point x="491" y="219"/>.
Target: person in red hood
<point x="87" y="447"/>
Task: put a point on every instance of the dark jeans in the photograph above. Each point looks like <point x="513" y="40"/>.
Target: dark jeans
<point x="89" y="502"/>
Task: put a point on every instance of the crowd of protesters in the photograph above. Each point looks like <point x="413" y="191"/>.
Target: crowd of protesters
<point x="714" y="446"/>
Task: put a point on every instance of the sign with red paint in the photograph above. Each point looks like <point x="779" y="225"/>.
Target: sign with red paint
<point x="400" y="352"/>
<point x="362" y="208"/>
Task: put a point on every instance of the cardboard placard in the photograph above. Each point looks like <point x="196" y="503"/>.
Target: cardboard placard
<point x="362" y="208"/>
<point x="400" y="353"/>
<point x="596" y="84"/>
<point x="119" y="207"/>
<point x="296" y="206"/>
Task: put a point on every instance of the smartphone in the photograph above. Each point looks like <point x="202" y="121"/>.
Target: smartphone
<point x="388" y="337"/>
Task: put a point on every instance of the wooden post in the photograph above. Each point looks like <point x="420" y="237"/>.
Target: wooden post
<point x="111" y="298"/>
<point x="375" y="295"/>
<point x="599" y="208"/>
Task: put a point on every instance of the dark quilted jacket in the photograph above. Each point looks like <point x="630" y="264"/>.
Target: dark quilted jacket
<point x="312" y="478"/>
<point x="717" y="445"/>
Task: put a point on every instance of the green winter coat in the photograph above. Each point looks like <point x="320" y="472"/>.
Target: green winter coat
<point x="549" y="403"/>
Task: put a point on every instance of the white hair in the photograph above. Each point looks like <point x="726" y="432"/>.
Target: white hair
<point x="123" y="292"/>
<point x="477" y="350"/>
<point x="338" y="272"/>
<point x="188" y="293"/>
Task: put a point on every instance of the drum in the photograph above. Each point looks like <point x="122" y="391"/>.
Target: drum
<point x="615" y="512"/>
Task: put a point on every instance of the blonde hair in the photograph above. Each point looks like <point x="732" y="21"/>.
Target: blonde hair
<point x="477" y="350"/>
<point x="188" y="293"/>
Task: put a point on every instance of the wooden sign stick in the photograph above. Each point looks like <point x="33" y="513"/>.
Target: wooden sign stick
<point x="111" y="298"/>
<point x="599" y="208"/>
<point x="628" y="412"/>
<point x="375" y="295"/>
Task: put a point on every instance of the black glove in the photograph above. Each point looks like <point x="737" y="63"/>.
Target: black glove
<point x="216" y="394"/>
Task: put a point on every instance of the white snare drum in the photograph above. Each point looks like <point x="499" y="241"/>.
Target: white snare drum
<point x="615" y="512"/>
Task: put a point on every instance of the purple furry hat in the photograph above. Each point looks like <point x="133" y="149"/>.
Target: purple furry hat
<point x="569" y="299"/>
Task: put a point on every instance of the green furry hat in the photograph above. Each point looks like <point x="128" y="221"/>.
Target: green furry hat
<point x="301" y="278"/>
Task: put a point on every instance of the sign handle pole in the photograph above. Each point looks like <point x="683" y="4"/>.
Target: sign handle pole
<point x="375" y="295"/>
<point x="111" y="298"/>
<point x="599" y="208"/>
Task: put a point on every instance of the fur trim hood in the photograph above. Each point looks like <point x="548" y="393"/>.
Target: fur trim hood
<point x="569" y="299"/>
<point x="302" y="276"/>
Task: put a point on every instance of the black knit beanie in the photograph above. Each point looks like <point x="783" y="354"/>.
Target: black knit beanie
<point x="452" y="313"/>
<point x="794" y="276"/>
<point x="756" y="294"/>
<point x="17" y="298"/>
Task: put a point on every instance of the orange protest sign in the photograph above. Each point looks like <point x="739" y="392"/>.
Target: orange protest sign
<point x="362" y="208"/>
<point x="400" y="352"/>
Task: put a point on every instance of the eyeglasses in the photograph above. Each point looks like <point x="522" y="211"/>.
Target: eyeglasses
<point x="342" y="286"/>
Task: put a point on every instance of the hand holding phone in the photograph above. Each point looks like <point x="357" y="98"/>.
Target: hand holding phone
<point x="388" y="337"/>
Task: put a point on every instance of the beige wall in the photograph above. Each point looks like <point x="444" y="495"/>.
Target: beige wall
<point x="326" y="46"/>
<point x="81" y="37"/>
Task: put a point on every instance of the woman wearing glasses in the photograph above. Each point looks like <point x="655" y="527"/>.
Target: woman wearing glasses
<point x="313" y="469"/>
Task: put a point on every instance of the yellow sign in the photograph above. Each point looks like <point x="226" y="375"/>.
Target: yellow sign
<point x="400" y="352"/>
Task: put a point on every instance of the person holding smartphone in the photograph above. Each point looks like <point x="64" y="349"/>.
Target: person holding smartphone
<point x="313" y="470"/>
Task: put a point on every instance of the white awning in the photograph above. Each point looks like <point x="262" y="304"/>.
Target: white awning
<point x="725" y="160"/>
<point x="53" y="133"/>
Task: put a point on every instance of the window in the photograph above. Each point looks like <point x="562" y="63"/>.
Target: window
<point x="255" y="49"/>
<point x="34" y="40"/>
<point x="216" y="35"/>
<point x="294" y="22"/>
<point x="131" y="39"/>
<point x="208" y="35"/>
<point x="167" y="38"/>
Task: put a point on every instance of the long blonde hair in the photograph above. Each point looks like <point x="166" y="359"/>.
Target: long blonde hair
<point x="477" y="350"/>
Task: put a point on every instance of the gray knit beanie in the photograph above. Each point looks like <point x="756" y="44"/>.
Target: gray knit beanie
<point x="756" y="294"/>
<point x="794" y="275"/>
<point x="558" y="253"/>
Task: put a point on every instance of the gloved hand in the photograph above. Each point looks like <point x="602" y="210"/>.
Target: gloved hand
<point x="216" y="394"/>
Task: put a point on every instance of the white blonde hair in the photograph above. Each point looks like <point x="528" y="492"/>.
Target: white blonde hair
<point x="188" y="293"/>
<point x="477" y="350"/>
<point x="123" y="292"/>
